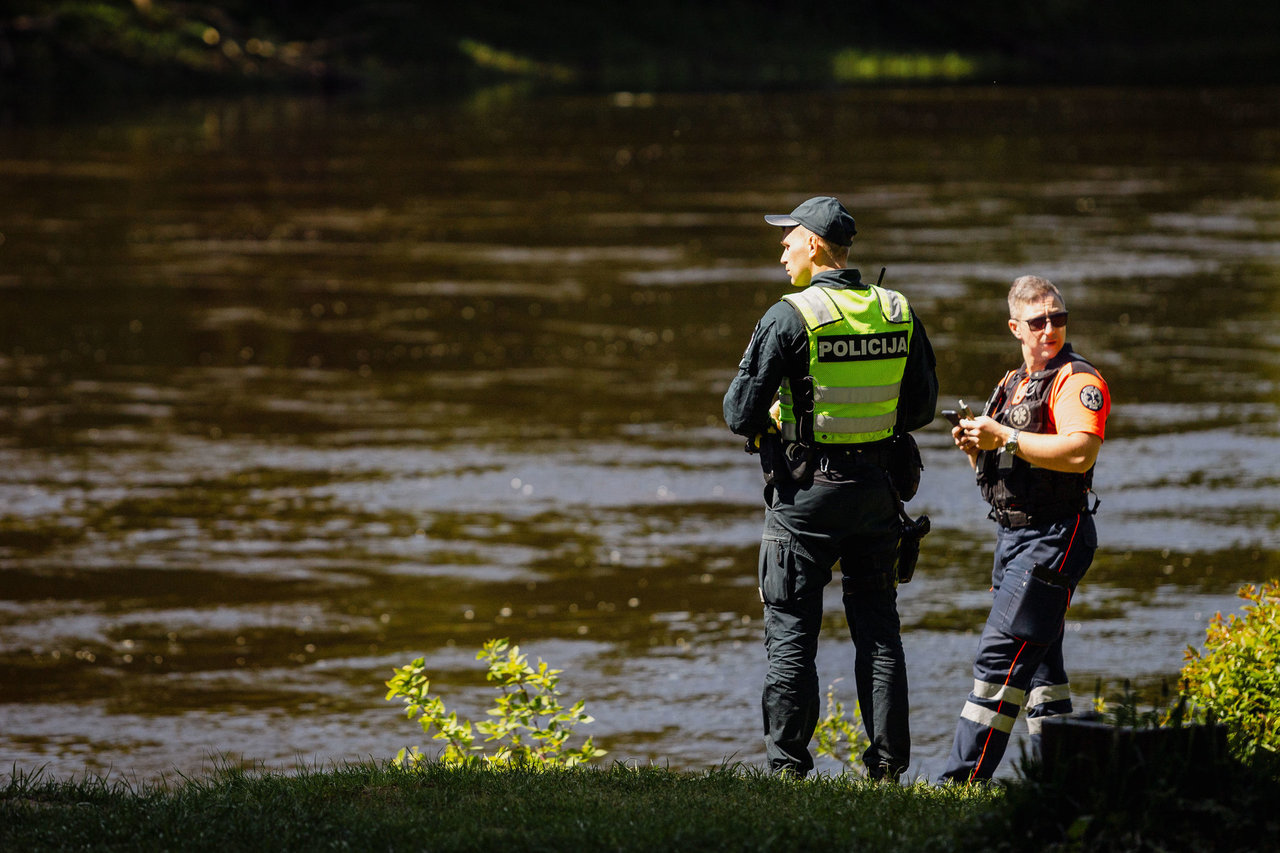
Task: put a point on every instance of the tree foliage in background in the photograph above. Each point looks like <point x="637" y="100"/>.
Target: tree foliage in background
<point x="88" y="48"/>
<point x="1235" y="679"/>
<point x="530" y="727"/>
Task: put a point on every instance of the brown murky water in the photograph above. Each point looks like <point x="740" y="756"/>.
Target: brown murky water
<point x="292" y="392"/>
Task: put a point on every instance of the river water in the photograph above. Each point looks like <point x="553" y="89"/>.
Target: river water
<point x="294" y="391"/>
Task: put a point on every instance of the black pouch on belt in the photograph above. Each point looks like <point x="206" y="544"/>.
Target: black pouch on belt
<point x="904" y="465"/>
<point x="773" y="460"/>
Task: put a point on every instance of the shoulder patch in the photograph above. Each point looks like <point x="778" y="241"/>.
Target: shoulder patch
<point x="1091" y="397"/>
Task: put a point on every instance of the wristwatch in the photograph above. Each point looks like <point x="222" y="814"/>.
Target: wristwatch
<point x="1011" y="446"/>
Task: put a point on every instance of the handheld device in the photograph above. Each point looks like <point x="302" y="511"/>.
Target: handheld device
<point x="952" y="415"/>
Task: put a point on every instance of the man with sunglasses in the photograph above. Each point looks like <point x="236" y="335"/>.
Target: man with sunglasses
<point x="1033" y="448"/>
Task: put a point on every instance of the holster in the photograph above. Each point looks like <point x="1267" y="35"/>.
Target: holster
<point x="799" y="462"/>
<point x="909" y="545"/>
<point x="785" y="461"/>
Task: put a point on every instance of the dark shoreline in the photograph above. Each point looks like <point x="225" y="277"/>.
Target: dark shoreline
<point x="59" y="59"/>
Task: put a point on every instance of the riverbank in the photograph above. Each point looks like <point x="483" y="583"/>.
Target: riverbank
<point x="54" y="54"/>
<point x="370" y="807"/>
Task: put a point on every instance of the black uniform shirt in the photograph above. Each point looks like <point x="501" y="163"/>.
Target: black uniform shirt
<point x="780" y="347"/>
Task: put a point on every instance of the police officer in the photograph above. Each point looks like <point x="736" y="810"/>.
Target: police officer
<point x="853" y="370"/>
<point x="1033" y="449"/>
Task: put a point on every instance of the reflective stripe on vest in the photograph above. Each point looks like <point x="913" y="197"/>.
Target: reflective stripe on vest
<point x="858" y="343"/>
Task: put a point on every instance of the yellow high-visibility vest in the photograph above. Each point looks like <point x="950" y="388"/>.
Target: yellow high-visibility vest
<point x="858" y="342"/>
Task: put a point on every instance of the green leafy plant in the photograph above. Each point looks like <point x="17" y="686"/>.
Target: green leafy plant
<point x="1235" y="679"/>
<point x="840" y="736"/>
<point x="531" y="728"/>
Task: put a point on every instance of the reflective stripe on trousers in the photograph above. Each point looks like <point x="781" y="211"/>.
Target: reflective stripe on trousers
<point x="1019" y="658"/>
<point x="1044" y="701"/>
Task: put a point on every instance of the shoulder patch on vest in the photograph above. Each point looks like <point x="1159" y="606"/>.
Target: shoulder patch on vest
<point x="1091" y="397"/>
<point x="892" y="304"/>
<point x="814" y="306"/>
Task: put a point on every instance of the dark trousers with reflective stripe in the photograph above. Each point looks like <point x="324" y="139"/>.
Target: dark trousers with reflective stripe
<point x="806" y="531"/>
<point x="1019" y="660"/>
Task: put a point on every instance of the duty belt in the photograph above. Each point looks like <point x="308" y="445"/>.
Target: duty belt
<point x="1017" y="518"/>
<point x="843" y="457"/>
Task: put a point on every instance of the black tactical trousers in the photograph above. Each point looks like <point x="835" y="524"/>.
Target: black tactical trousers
<point x="806" y="531"/>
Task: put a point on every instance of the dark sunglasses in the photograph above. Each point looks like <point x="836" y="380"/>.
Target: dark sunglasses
<point x="1057" y="318"/>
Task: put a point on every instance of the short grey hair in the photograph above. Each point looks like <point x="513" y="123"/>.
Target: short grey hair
<point x="1032" y="288"/>
<point x="837" y="253"/>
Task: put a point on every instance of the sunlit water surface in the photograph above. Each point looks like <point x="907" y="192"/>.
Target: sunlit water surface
<point x="296" y="391"/>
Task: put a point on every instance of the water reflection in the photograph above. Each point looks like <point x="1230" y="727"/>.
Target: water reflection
<point x="294" y="391"/>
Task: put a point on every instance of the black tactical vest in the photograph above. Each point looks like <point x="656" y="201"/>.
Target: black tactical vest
<point x="1016" y="487"/>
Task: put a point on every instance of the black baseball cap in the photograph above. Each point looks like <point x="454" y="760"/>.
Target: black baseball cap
<point x="824" y="216"/>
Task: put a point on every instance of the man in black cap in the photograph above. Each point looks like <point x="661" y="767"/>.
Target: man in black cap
<point x="853" y="372"/>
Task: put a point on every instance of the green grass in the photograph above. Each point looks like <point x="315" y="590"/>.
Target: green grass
<point x="732" y="808"/>
<point x="378" y="807"/>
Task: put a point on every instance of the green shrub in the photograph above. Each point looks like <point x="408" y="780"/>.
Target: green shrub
<point x="530" y="727"/>
<point x="838" y="735"/>
<point x="1235" y="680"/>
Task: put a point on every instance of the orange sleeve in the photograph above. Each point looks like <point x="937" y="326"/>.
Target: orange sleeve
<point x="1080" y="403"/>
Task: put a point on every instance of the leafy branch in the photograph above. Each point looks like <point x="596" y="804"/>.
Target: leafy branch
<point x="838" y="735"/>
<point x="530" y="726"/>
